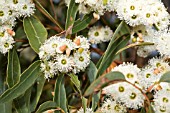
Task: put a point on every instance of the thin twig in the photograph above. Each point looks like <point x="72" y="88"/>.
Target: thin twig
<point x="21" y="40"/>
<point x="52" y="5"/>
<point x="147" y="99"/>
<point x="100" y="52"/>
<point x="43" y="11"/>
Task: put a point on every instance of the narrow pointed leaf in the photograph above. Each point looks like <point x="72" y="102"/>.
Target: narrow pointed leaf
<point x="3" y="65"/>
<point x="13" y="69"/>
<point x="102" y="81"/>
<point x="117" y="42"/>
<point x="44" y="11"/>
<point x="60" y="94"/>
<point x="46" y="106"/>
<point x="27" y="79"/>
<point x="95" y="100"/>
<point x="39" y="87"/>
<point x="5" y="107"/>
<point x="111" y="55"/>
<point x="91" y="71"/>
<point x="134" y="45"/>
<point x="165" y="77"/>
<point x="82" y="24"/>
<point x="22" y="102"/>
<point x="84" y="103"/>
<point x="35" y="31"/>
<point x="151" y="109"/>
<point x="75" y="81"/>
<point x="71" y="13"/>
<point x="143" y="110"/>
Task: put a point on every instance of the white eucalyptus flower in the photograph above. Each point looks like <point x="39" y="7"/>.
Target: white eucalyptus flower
<point x="88" y="110"/>
<point x="130" y="72"/>
<point x="110" y="106"/>
<point x="99" y="34"/>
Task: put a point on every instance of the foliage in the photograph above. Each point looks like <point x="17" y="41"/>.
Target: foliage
<point x="23" y="87"/>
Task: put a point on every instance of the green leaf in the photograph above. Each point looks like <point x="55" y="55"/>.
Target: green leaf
<point x="117" y="42"/>
<point x="39" y="87"/>
<point x="19" y="35"/>
<point x="165" y="77"/>
<point x="134" y="45"/>
<point x="13" y="69"/>
<point x="3" y="63"/>
<point x="27" y="79"/>
<point x="75" y="81"/>
<point x="95" y="100"/>
<point x="41" y="8"/>
<point x="5" y="107"/>
<point x="151" y="109"/>
<point x="111" y="55"/>
<point x="46" y="106"/>
<point x="22" y="102"/>
<point x="143" y="110"/>
<point x="102" y="81"/>
<point x="60" y="94"/>
<point x="35" y="31"/>
<point x="71" y="13"/>
<point x="92" y="71"/>
<point x="82" y="24"/>
<point x="84" y="103"/>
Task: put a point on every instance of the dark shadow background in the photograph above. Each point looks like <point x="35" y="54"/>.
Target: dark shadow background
<point x="167" y="4"/>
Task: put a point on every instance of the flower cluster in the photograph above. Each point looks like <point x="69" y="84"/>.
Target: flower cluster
<point x="110" y="106"/>
<point x="9" y="11"/>
<point x="126" y="94"/>
<point x="149" y="24"/>
<point x="145" y="79"/>
<point x="64" y="55"/>
<point x="6" y="40"/>
<point x="161" y="41"/>
<point x="133" y="12"/>
<point x="98" y="6"/>
<point x="88" y="110"/>
<point x="99" y="34"/>
<point x="162" y="101"/>
<point x="140" y="34"/>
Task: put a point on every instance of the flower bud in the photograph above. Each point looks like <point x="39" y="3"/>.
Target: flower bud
<point x="63" y="48"/>
<point x="11" y="32"/>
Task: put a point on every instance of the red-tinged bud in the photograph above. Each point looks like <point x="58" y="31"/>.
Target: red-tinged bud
<point x="96" y="16"/>
<point x="77" y="41"/>
<point x="140" y="35"/>
<point x="156" y="71"/>
<point x="52" y="93"/>
<point x="63" y="48"/>
<point x="158" y="87"/>
<point x="68" y="51"/>
<point x="11" y="32"/>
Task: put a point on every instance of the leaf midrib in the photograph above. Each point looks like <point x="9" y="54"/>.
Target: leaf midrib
<point x="17" y="84"/>
<point x="38" y="38"/>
